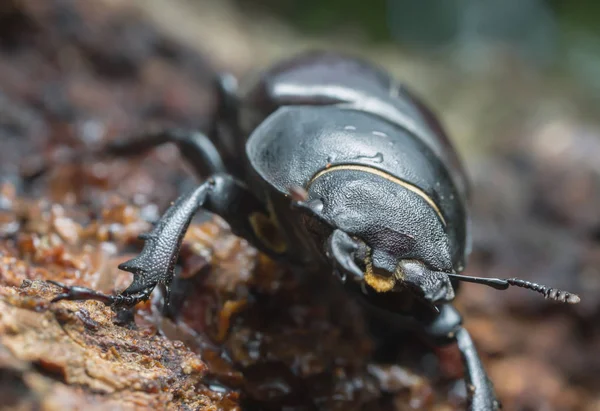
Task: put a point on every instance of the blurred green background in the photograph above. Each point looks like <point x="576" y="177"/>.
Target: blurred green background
<point x="560" y="37"/>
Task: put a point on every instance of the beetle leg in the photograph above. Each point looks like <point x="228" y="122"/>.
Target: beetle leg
<point x="197" y="149"/>
<point x="447" y="328"/>
<point x="227" y="89"/>
<point x="480" y="391"/>
<point x="220" y="194"/>
<point x="225" y="128"/>
<point x="83" y="293"/>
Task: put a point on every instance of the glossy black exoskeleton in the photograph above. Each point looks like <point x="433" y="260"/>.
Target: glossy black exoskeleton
<point x="330" y="165"/>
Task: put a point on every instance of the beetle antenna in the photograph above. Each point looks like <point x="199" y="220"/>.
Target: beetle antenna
<point x="502" y="284"/>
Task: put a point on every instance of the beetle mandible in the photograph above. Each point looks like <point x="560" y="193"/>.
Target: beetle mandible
<point x="327" y="163"/>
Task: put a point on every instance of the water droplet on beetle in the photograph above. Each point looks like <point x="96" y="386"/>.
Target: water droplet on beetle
<point x="379" y="133"/>
<point x="349" y="128"/>
<point x="377" y="158"/>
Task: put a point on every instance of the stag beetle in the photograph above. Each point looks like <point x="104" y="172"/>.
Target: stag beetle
<point x="327" y="163"/>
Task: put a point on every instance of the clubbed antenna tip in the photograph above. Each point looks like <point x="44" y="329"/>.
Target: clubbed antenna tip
<point x="550" y="293"/>
<point x="501" y="284"/>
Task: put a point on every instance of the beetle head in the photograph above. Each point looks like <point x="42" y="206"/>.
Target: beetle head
<point x="378" y="272"/>
<point x="353" y="260"/>
<point x="385" y="237"/>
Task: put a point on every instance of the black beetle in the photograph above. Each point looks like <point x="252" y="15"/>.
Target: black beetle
<point x="330" y="165"/>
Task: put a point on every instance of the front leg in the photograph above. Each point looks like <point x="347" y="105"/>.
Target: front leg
<point x="447" y="328"/>
<point x="220" y="194"/>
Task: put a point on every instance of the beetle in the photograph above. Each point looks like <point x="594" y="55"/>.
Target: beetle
<point x="327" y="163"/>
